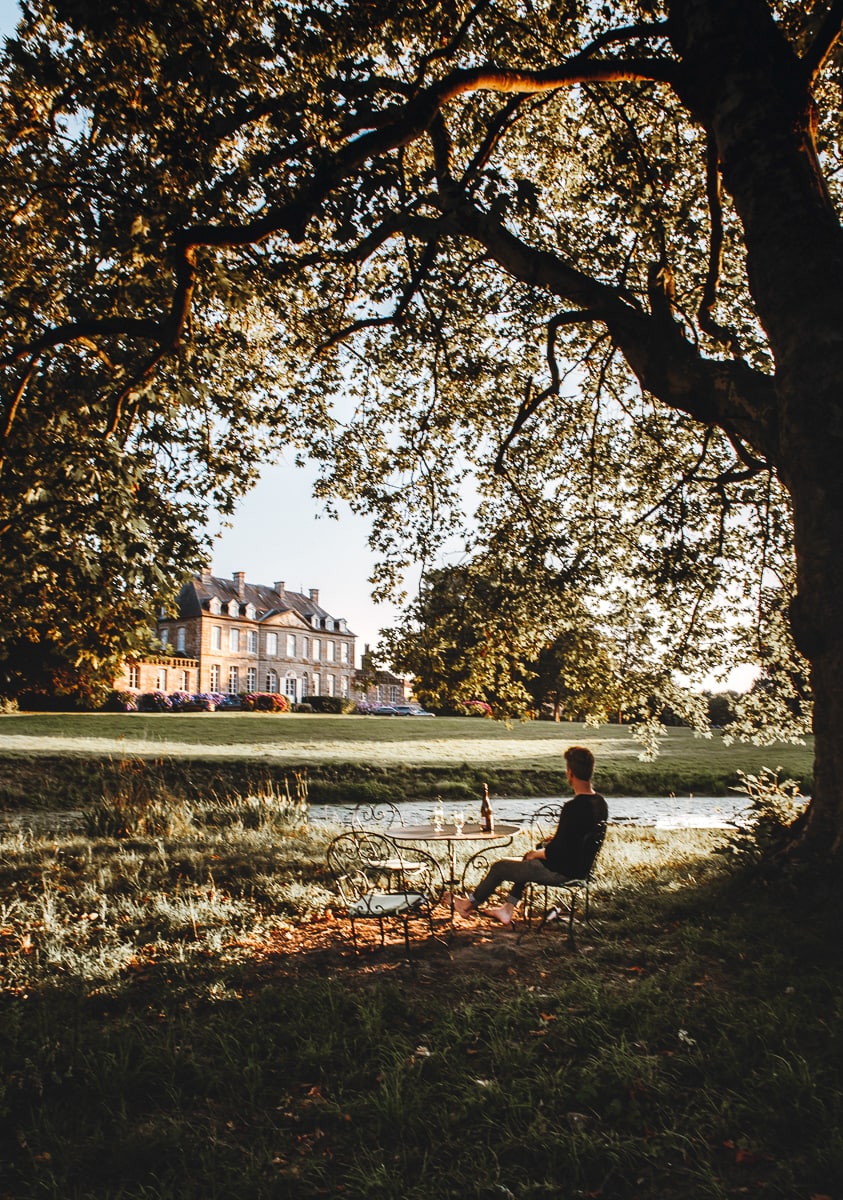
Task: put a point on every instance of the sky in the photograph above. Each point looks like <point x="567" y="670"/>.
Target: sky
<point x="281" y="532"/>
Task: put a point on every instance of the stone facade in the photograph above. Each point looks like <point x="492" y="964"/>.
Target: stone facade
<point x="232" y="636"/>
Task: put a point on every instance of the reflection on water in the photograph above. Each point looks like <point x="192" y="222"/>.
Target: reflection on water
<point x="663" y="812"/>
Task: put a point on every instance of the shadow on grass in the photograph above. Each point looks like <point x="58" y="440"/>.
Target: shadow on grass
<point x="689" y="1048"/>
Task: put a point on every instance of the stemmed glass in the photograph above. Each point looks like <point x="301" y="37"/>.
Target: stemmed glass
<point x="459" y="821"/>
<point x="438" y="816"/>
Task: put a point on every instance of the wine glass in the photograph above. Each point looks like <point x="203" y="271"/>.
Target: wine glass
<point x="459" y="821"/>
<point x="438" y="816"/>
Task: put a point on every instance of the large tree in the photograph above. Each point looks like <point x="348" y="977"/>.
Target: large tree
<point x="581" y="262"/>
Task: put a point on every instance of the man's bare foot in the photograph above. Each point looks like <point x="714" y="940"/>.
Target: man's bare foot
<point x="502" y="914"/>
<point x="463" y="906"/>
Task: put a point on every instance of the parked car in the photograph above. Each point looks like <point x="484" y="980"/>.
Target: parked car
<point x="383" y="710"/>
<point x="411" y="710"/>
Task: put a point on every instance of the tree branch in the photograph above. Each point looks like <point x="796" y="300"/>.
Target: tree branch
<point x="731" y="395"/>
<point x="824" y="40"/>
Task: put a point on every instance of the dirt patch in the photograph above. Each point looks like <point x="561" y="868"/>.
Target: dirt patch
<point x="479" y="947"/>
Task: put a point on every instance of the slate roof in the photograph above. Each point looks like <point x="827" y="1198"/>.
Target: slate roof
<point x="267" y="600"/>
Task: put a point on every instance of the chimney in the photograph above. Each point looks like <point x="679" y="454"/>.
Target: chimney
<point x="314" y="595"/>
<point x="205" y="575"/>
<point x="280" y="588"/>
<point x="240" y="580"/>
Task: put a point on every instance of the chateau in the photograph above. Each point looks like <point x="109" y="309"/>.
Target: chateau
<point x="232" y="636"/>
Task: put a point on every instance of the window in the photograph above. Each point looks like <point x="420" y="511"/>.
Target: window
<point x="316" y="646"/>
<point x="181" y="634"/>
<point x="291" y="645"/>
<point x="252" y="641"/>
<point x="233" y="608"/>
<point x="272" y="681"/>
<point x="304" y="686"/>
<point x="215" y="677"/>
<point x="185" y="681"/>
<point x="290" y="686"/>
<point x="329" y="684"/>
<point x="344" y="686"/>
<point x="316" y="682"/>
<point x="250" y="612"/>
<point x="216" y="637"/>
<point x="272" y="645"/>
<point x="164" y="636"/>
<point x="331" y="651"/>
<point x="134" y="677"/>
<point x="233" y="681"/>
<point x="161" y="679"/>
<point x="344" y="652"/>
<point x="252" y="679"/>
<point x="305" y="647"/>
<point x="214" y="606"/>
<point x="234" y="640"/>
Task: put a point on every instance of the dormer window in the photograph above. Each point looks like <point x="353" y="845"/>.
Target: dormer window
<point x="214" y="606"/>
<point x="233" y="608"/>
<point x="250" y="612"/>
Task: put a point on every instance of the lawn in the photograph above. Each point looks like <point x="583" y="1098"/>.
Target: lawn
<point x="360" y="757"/>
<point x="182" y="1017"/>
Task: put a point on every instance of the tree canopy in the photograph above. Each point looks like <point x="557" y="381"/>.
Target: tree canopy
<point x="573" y="267"/>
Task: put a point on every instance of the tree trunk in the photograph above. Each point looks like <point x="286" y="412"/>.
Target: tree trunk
<point x="746" y="84"/>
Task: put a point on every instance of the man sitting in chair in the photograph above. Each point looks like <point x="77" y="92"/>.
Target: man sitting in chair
<point x="563" y="857"/>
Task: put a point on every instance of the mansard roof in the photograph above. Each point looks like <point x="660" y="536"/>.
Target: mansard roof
<point x="268" y="601"/>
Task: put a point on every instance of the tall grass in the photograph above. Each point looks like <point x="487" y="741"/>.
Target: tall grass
<point x="181" y="1015"/>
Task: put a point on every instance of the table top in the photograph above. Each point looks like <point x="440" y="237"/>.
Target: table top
<point x="448" y="833"/>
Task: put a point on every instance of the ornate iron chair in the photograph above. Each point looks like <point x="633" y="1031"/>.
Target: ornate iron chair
<point x="543" y="825"/>
<point x="374" y="886"/>
<point x="379" y="816"/>
<point x="375" y="814"/>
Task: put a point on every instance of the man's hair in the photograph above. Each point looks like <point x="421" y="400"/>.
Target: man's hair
<point x="581" y="762"/>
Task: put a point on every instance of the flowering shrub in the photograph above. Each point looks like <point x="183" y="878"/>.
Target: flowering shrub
<point x="265" y="702"/>
<point x="119" y="701"/>
<point x="475" y="708"/>
<point x="208" y="701"/>
<point x="181" y="700"/>
<point x="154" y="702"/>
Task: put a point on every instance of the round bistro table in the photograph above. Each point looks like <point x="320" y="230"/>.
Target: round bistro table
<point x="502" y="834"/>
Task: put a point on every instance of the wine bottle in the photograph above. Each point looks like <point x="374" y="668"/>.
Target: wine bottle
<point x="487" y="817"/>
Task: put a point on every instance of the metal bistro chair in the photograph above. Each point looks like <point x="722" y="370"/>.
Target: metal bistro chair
<point x="379" y="816"/>
<point x="375" y="814"/>
<point x="543" y="825"/>
<point x="373" y="888"/>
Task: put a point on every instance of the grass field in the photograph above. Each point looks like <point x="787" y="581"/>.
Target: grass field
<point x="182" y="1017"/>
<point x="47" y="758"/>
